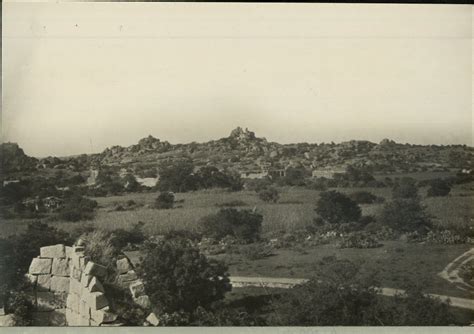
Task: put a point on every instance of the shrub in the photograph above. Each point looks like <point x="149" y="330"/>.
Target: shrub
<point x="359" y="240"/>
<point x="178" y="277"/>
<point x="98" y="245"/>
<point x="405" y="215"/>
<point x="244" y="225"/>
<point x="256" y="251"/>
<point x="269" y="194"/>
<point x="363" y="197"/>
<point x="340" y="296"/>
<point x="165" y="200"/>
<point x="77" y="208"/>
<point x="445" y="237"/>
<point x="20" y="305"/>
<point x="122" y="238"/>
<point x="438" y="188"/>
<point x="405" y="188"/>
<point x="336" y="208"/>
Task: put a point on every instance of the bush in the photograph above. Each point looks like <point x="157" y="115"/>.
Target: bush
<point x="438" y="188"/>
<point x="256" y="251"/>
<point x="122" y="238"/>
<point x="77" y="208"/>
<point x="336" y="208"/>
<point x="20" y="305"/>
<point x="269" y="194"/>
<point x="340" y="296"/>
<point x="98" y="245"/>
<point x="165" y="200"/>
<point x="405" y="215"/>
<point x="359" y="240"/>
<point x="445" y="237"/>
<point x="405" y="188"/>
<point x="244" y="225"/>
<point x="363" y="197"/>
<point x="178" y="277"/>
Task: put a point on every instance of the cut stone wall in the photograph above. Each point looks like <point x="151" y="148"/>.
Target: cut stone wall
<point x="67" y="289"/>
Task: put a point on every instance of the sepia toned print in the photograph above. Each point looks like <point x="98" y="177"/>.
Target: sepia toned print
<point x="184" y="164"/>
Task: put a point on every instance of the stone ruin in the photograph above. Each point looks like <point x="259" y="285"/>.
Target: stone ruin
<point x="67" y="289"/>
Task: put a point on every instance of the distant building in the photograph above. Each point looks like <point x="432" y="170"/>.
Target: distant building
<point x="254" y="174"/>
<point x="6" y="182"/>
<point x="52" y="203"/>
<point x="91" y="180"/>
<point x="328" y="173"/>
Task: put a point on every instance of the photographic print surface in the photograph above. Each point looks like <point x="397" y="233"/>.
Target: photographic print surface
<point x="206" y="164"/>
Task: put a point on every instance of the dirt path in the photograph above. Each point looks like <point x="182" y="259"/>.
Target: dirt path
<point x="287" y="283"/>
<point x="451" y="271"/>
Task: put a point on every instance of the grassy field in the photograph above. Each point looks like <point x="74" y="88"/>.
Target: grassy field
<point x="396" y="263"/>
<point x="294" y="210"/>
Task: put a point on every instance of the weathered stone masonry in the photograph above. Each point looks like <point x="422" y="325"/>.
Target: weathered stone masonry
<point x="67" y="289"/>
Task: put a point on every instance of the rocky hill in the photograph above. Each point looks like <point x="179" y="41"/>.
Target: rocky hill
<point x="13" y="159"/>
<point x="242" y="150"/>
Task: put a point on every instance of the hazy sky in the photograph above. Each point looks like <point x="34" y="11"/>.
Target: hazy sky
<point x="112" y="73"/>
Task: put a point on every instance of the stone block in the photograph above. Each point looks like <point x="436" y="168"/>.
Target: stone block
<point x="68" y="250"/>
<point x="83" y="321"/>
<point x="40" y="266"/>
<point x="153" y="319"/>
<point x="97" y="300"/>
<point x="75" y="286"/>
<point x="7" y="320"/>
<point x="85" y="280"/>
<point x="95" y="269"/>
<point x="84" y="309"/>
<point x="76" y="273"/>
<point x="126" y="279"/>
<point x="103" y="315"/>
<point x="60" y="267"/>
<point x="123" y="265"/>
<point x="40" y="318"/>
<point x="55" y="251"/>
<point x="60" y="284"/>
<point x="93" y="323"/>
<point x="72" y="318"/>
<point x="43" y="282"/>
<point x="72" y="302"/>
<point x="60" y="298"/>
<point x="58" y="317"/>
<point x="83" y="262"/>
<point x="143" y="301"/>
<point x="76" y="261"/>
<point x="137" y="288"/>
<point x="31" y="278"/>
<point x="95" y="285"/>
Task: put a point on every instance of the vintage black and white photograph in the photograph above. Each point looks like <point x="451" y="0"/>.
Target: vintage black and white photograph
<point x="236" y="164"/>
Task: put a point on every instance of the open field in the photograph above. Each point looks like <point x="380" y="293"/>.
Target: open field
<point x="294" y="210"/>
<point x="396" y="263"/>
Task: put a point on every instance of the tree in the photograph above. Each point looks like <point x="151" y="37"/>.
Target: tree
<point x="178" y="277"/>
<point x="405" y="188"/>
<point x="294" y="176"/>
<point x="364" y="197"/>
<point x="244" y="225"/>
<point x="165" y="200"/>
<point x="130" y="183"/>
<point x="177" y="176"/>
<point x="405" y="215"/>
<point x="336" y="208"/>
<point x="439" y="187"/>
<point x="269" y="194"/>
